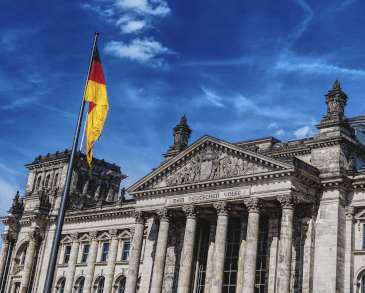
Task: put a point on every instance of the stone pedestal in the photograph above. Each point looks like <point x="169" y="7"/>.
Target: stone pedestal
<point x="112" y="256"/>
<point x="135" y="255"/>
<point x="249" y="267"/>
<point x="4" y="253"/>
<point x="220" y="246"/>
<point x="159" y="264"/>
<point x="187" y="255"/>
<point x="242" y="253"/>
<point x="72" y="263"/>
<point x="91" y="262"/>
<point x="288" y="203"/>
<point x="29" y="259"/>
<point x="210" y="257"/>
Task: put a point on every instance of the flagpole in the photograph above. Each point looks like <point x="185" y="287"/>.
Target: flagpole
<point x="62" y="210"/>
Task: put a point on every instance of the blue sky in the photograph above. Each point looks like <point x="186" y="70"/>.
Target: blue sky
<point x="239" y="70"/>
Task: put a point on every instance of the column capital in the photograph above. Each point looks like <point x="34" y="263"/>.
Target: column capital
<point x="139" y="217"/>
<point x="288" y="201"/>
<point x="191" y="211"/>
<point x="113" y="233"/>
<point x="223" y="207"/>
<point x="350" y="211"/>
<point x="164" y="214"/>
<point x="6" y="238"/>
<point x="253" y="204"/>
<point x="93" y="235"/>
<point x="75" y="236"/>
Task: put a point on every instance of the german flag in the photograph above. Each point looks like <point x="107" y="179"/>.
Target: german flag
<point x="98" y="104"/>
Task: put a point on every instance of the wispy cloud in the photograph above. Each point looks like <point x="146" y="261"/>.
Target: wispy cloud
<point x="280" y="132"/>
<point x="144" y="51"/>
<point x="213" y="98"/>
<point x="272" y="125"/>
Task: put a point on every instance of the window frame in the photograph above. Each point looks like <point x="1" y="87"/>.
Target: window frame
<point x="105" y="253"/>
<point x="85" y="253"/>
<point x="101" y="285"/>
<point x="24" y="255"/>
<point x="66" y="257"/>
<point x="124" y="250"/>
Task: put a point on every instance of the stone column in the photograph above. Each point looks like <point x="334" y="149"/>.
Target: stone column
<point x="242" y="252"/>
<point x="135" y="254"/>
<point x="29" y="259"/>
<point x="4" y="253"/>
<point x="220" y="245"/>
<point x="72" y="262"/>
<point x="253" y="205"/>
<point x="274" y="217"/>
<point x="159" y="263"/>
<point x="288" y="203"/>
<point x="349" y="247"/>
<point x="91" y="261"/>
<point x="210" y="256"/>
<point x="112" y="256"/>
<point x="187" y="254"/>
<point x="13" y="287"/>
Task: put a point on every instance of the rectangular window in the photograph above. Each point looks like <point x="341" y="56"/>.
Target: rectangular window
<point x="363" y="238"/>
<point x="24" y="255"/>
<point x="67" y="254"/>
<point x="104" y="257"/>
<point x="127" y="246"/>
<point x="86" y="253"/>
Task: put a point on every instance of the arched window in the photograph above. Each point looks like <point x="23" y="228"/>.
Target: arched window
<point x="47" y="180"/>
<point x="101" y="285"/>
<point x="62" y="287"/>
<point x="39" y="182"/>
<point x="122" y="285"/>
<point x="23" y="256"/>
<point x="91" y="187"/>
<point x="81" y="286"/>
<point x="80" y="183"/>
<point x="55" y="180"/>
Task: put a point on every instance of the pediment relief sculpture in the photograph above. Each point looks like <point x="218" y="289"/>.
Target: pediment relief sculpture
<point x="209" y="164"/>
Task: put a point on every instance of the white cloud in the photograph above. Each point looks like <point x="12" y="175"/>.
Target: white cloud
<point x="280" y="132"/>
<point x="214" y="99"/>
<point x="143" y="51"/>
<point x="303" y="132"/>
<point x="156" y="7"/>
<point x="273" y="125"/>
<point x="132" y="26"/>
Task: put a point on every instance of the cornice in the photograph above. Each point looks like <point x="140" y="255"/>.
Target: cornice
<point x="98" y="215"/>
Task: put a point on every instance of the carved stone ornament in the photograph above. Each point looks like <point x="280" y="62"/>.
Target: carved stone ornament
<point x="288" y="201"/>
<point x="223" y="208"/>
<point x="253" y="204"/>
<point x="139" y="217"/>
<point x="75" y="236"/>
<point x="33" y="236"/>
<point x="210" y="163"/>
<point x="93" y="235"/>
<point x="349" y="210"/>
<point x="164" y="214"/>
<point x="6" y="238"/>
<point x="113" y="233"/>
<point x="190" y="211"/>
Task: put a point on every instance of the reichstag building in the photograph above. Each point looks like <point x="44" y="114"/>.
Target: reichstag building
<point x="258" y="216"/>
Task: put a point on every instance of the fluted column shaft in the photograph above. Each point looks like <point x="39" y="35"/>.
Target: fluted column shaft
<point x="72" y="263"/>
<point x="159" y="263"/>
<point x="112" y="256"/>
<point x="288" y="203"/>
<point x="249" y="265"/>
<point x="135" y="255"/>
<point x="187" y="255"/>
<point x="91" y="262"/>
<point x="4" y="253"/>
<point x="29" y="259"/>
<point x="242" y="252"/>
<point x="210" y="256"/>
<point x="220" y="246"/>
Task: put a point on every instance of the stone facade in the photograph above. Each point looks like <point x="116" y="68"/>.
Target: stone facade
<point x="255" y="216"/>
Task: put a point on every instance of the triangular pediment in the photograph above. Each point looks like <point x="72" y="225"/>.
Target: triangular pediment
<point x="125" y="234"/>
<point x="66" y="239"/>
<point x="104" y="236"/>
<point x="207" y="159"/>
<point x="85" y="237"/>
